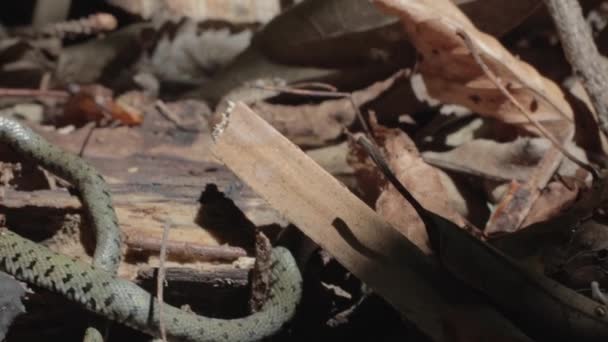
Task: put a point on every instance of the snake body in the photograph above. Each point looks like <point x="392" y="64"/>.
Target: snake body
<point x="93" y="190"/>
<point x="98" y="289"/>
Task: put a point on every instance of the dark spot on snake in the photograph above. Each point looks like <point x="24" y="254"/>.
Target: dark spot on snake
<point x="108" y="301"/>
<point x="18" y="271"/>
<point x="201" y="331"/>
<point x="48" y="257"/>
<point x="3" y="263"/>
<point x="14" y="244"/>
<point x="70" y="292"/>
<point x="16" y="257"/>
<point x="84" y="274"/>
<point x="239" y="324"/>
<point x="49" y="271"/>
<point x="92" y="303"/>
<point x="87" y="287"/>
<point x="285" y="309"/>
<point x="105" y="283"/>
<point x="36" y="278"/>
<point x="130" y="316"/>
<point x="67" y="265"/>
<point x="175" y="320"/>
<point x="67" y="277"/>
<point x="226" y="336"/>
<point x="32" y="264"/>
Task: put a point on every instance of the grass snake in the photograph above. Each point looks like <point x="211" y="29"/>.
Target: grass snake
<point x="98" y="289"/>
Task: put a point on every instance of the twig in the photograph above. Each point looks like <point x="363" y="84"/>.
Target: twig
<point x="322" y="93"/>
<point x="160" y="282"/>
<point x="86" y="141"/>
<point x="170" y="116"/>
<point x="319" y="85"/>
<point x="597" y="294"/>
<point x="496" y="81"/>
<point x="36" y="93"/>
<point x="186" y="249"/>
<point x="582" y="54"/>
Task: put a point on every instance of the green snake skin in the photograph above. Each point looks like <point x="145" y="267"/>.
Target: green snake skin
<point x="99" y="290"/>
<point x="125" y="302"/>
<point x="93" y="193"/>
<point x="93" y="190"/>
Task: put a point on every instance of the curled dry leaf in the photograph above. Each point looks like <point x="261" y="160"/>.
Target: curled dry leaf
<point x="553" y="199"/>
<point x="452" y="75"/>
<point x="94" y="103"/>
<point x="514" y="160"/>
<point x="447" y="43"/>
<point x="316" y="124"/>
<point x="419" y="178"/>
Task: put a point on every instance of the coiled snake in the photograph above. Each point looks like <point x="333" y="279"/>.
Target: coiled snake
<point x="96" y="287"/>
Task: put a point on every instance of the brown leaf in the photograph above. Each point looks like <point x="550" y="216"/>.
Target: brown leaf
<point x="451" y="73"/>
<point x="418" y="177"/>
<point x="316" y="124"/>
<point x="514" y="160"/>
<point x="553" y="199"/>
<point x="94" y="103"/>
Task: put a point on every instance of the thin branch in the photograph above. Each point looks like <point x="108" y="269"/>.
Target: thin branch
<point x="496" y="81"/>
<point x="183" y="249"/>
<point x="35" y="93"/>
<point x="160" y="281"/>
<point x="322" y="93"/>
<point x="581" y="52"/>
<point x="319" y="85"/>
<point x="597" y="293"/>
<point x="170" y="116"/>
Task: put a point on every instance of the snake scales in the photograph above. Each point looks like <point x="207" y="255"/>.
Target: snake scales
<point x="96" y="287"/>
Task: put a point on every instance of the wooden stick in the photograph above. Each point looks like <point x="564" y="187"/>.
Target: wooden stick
<point x="581" y="52"/>
<point x="184" y="249"/>
<point x="343" y="225"/>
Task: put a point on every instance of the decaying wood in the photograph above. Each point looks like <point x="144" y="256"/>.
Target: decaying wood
<point x="343" y="225"/>
<point x="186" y="250"/>
<point x="261" y="279"/>
<point x="213" y="292"/>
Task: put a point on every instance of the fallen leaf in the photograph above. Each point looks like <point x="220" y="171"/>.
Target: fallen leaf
<point x="94" y="103"/>
<point x="421" y="180"/>
<point x="316" y="124"/>
<point x="502" y="161"/>
<point x="452" y="75"/>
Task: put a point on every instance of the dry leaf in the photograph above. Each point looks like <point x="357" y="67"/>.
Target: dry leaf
<point x="421" y="180"/>
<point x="316" y="124"/>
<point x="94" y="103"/>
<point x="514" y="160"/>
<point x="452" y="75"/>
<point x="553" y="199"/>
